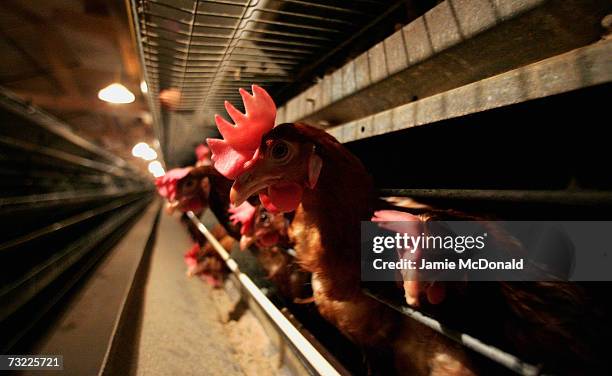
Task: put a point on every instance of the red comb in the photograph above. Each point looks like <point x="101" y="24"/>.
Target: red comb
<point x="166" y="184"/>
<point x="202" y="152"/>
<point x="245" y="214"/>
<point x="241" y="140"/>
<point x="393" y="216"/>
<point x="398" y="221"/>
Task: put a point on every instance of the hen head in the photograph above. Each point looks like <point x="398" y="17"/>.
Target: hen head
<point x="186" y="188"/>
<point x="269" y="229"/>
<point x="192" y="191"/>
<point x="286" y="163"/>
<point x="277" y="163"/>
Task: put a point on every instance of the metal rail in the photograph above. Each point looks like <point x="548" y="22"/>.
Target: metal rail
<point x="88" y="261"/>
<point x="63" y="156"/>
<point x="43" y="120"/>
<point x="567" y="197"/>
<point x="80" y="196"/>
<point x="501" y="357"/>
<point x="206" y="50"/>
<point x="456" y="43"/>
<point x="306" y="350"/>
<point x="577" y="69"/>
<point x="67" y="222"/>
<point x="37" y="201"/>
<point x="16" y="293"/>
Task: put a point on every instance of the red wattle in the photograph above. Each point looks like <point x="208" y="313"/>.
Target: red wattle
<point x="436" y="293"/>
<point x="282" y="197"/>
<point x="268" y="239"/>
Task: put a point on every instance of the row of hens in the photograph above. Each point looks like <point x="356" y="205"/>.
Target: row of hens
<point x="313" y="194"/>
<point x="201" y="187"/>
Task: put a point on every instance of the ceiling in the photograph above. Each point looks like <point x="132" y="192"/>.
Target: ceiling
<point x="200" y="52"/>
<point x="57" y="54"/>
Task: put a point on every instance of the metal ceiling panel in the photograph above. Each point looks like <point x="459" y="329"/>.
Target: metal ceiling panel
<point x="208" y="49"/>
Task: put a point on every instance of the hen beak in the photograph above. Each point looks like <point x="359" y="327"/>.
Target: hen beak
<point x="248" y="184"/>
<point x="246" y="241"/>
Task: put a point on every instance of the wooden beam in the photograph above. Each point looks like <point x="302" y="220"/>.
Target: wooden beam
<point x="59" y="69"/>
<point x="54" y="46"/>
<point x="85" y="23"/>
<point x="112" y="28"/>
<point x="127" y="47"/>
<point x="78" y="103"/>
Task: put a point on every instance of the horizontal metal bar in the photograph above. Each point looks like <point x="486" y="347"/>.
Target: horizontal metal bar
<point x="253" y="59"/>
<point x="276" y="59"/>
<point x="42" y="119"/>
<point x="67" y="157"/>
<point x="577" y="69"/>
<point x="299" y="342"/>
<point x="55" y="198"/>
<point x="198" y="34"/>
<point x="156" y="39"/>
<point x="568" y="197"/>
<point x="436" y="53"/>
<point x="15" y="174"/>
<point x="14" y="295"/>
<point x="164" y="55"/>
<point x="289" y="25"/>
<point x="281" y="33"/>
<point x="301" y="15"/>
<point x="324" y="6"/>
<point x="64" y="223"/>
<point x="501" y="357"/>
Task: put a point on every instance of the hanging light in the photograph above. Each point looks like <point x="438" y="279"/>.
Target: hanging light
<point x="144" y="151"/>
<point x="116" y="93"/>
<point x="156" y="169"/>
<point x="143" y="87"/>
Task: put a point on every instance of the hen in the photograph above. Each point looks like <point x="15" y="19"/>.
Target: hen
<point x="559" y="324"/>
<point x="198" y="188"/>
<point x="296" y="167"/>
<point x="266" y="234"/>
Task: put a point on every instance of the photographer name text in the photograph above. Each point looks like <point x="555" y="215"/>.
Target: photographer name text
<point x="462" y="264"/>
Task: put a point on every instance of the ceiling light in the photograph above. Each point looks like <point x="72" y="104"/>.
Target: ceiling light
<point x="144" y="151"/>
<point x="143" y="87"/>
<point x="116" y="93"/>
<point x="156" y="169"/>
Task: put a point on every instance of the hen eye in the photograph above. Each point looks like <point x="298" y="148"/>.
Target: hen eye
<point x="188" y="185"/>
<point x="279" y="151"/>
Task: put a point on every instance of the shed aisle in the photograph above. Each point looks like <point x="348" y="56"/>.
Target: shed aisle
<point x="184" y="330"/>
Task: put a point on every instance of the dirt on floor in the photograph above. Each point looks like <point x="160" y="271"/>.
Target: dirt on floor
<point x="250" y="344"/>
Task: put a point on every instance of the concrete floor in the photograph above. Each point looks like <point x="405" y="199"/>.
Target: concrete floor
<point x="170" y="324"/>
<point x="185" y="328"/>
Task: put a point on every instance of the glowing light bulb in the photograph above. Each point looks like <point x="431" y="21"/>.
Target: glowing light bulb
<point x="144" y="151"/>
<point x="116" y="93"/>
<point x="143" y="87"/>
<point x="156" y="169"/>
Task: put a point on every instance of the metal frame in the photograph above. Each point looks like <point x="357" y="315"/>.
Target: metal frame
<point x="491" y="352"/>
<point x="460" y="38"/>
<point x="207" y="50"/>
<point x="245" y="32"/>
<point x="305" y="349"/>
<point x="456" y="43"/>
<point x="578" y="69"/>
<point x="18" y="292"/>
<point x="45" y="121"/>
<point x="74" y="189"/>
